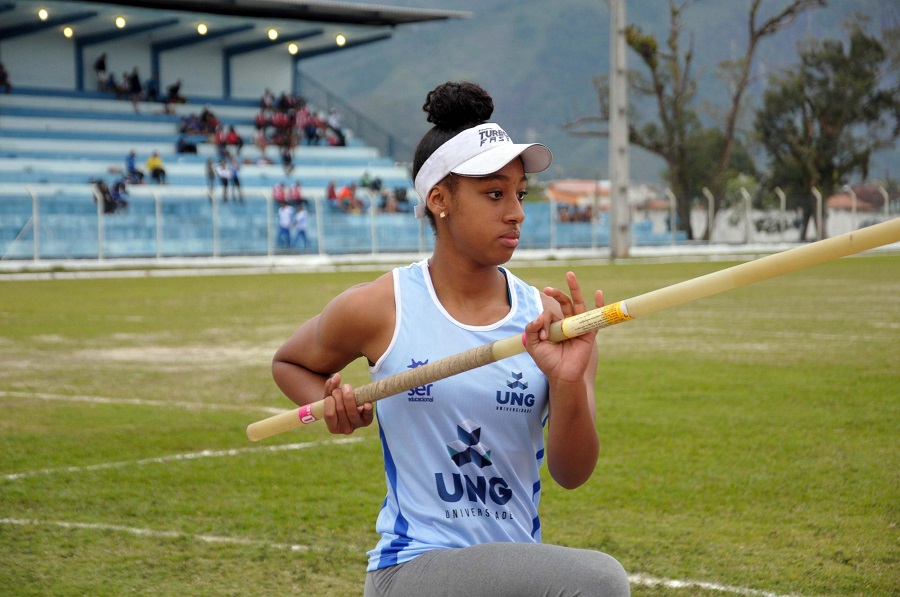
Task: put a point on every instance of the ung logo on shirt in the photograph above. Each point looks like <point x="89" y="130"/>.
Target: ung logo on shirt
<point x="421" y="393"/>
<point x="470" y="485"/>
<point x="516" y="397"/>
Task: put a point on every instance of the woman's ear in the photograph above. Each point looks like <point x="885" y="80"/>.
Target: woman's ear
<point x="438" y="199"/>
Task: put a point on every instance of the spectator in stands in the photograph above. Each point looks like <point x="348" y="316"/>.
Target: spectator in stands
<point x="5" y="84"/>
<point x="314" y="129"/>
<point x="112" y="86"/>
<point x="225" y="174"/>
<point x="135" y="88"/>
<point x="101" y="191"/>
<point x="124" y="88"/>
<point x="120" y="195"/>
<point x="294" y="195"/>
<point x="219" y="140"/>
<point x="151" y="88"/>
<point x="285" y="221"/>
<point x="233" y="139"/>
<point x="208" y="121"/>
<point x="387" y="202"/>
<point x="156" y="168"/>
<point x="287" y="157"/>
<point x="210" y="176"/>
<point x="173" y="93"/>
<point x="367" y="182"/>
<point x="285" y="103"/>
<point x="234" y="164"/>
<point x="262" y="141"/>
<point x="279" y="193"/>
<point x="331" y="195"/>
<point x="132" y="174"/>
<point x="300" y="223"/>
<point x="261" y="121"/>
<point x="190" y="125"/>
<point x="333" y="126"/>
<point x="184" y="146"/>
<point x="402" y="199"/>
<point x="301" y="119"/>
<point x="267" y="101"/>
<point x="173" y="96"/>
<point x="281" y="121"/>
<point x="348" y="201"/>
<point x="100" y="71"/>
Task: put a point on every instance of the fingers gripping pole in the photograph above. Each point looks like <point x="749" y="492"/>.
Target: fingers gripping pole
<point x="602" y="317"/>
<point x="440" y="369"/>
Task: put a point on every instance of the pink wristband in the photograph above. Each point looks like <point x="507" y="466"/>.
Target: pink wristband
<point x="306" y="415"/>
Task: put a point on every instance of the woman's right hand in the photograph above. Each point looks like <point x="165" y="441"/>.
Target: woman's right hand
<point x="342" y="415"/>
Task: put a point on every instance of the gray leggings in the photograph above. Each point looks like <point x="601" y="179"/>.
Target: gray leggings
<point x="503" y="570"/>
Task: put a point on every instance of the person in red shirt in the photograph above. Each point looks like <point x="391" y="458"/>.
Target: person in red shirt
<point x="278" y="193"/>
<point x="294" y="194"/>
<point x="232" y="138"/>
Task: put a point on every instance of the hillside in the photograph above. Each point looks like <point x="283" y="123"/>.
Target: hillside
<point x="538" y="59"/>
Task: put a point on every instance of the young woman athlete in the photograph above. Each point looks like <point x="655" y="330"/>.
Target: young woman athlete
<point x="462" y="455"/>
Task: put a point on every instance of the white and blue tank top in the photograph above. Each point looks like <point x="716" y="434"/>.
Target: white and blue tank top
<point x="461" y="455"/>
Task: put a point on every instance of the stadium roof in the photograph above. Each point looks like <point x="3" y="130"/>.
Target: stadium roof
<point x="319" y="11"/>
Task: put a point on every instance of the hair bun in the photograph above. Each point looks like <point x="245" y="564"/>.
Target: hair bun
<point x="454" y="106"/>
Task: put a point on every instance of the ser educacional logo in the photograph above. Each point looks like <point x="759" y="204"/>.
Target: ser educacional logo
<point x="421" y="393"/>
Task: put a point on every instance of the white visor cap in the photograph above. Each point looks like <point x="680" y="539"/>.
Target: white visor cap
<point x="478" y="151"/>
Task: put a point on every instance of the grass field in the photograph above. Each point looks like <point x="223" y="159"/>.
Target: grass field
<point x="750" y="440"/>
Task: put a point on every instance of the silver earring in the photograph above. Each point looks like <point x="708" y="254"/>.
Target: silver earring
<point x="443" y="214"/>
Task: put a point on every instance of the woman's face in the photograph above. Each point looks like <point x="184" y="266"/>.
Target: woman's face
<point x="484" y="218"/>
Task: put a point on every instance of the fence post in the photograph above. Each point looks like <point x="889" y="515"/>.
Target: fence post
<point x="35" y="225"/>
<point x="710" y="213"/>
<point x="887" y="203"/>
<point x="321" y="208"/>
<point x="100" y="239"/>
<point x="820" y="234"/>
<point x="215" y="226"/>
<point x="373" y="226"/>
<point x="748" y="202"/>
<point x="672" y="226"/>
<point x="157" y="205"/>
<point x="783" y="198"/>
<point x="270" y="242"/>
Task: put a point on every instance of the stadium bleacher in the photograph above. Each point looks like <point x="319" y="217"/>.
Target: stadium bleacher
<point x="57" y="138"/>
<point x="55" y="144"/>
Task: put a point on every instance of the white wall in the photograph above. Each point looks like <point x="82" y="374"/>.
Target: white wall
<point x="199" y="67"/>
<point x="252" y="73"/>
<point x="44" y="59"/>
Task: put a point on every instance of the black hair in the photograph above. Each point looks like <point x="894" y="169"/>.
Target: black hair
<point x="452" y="107"/>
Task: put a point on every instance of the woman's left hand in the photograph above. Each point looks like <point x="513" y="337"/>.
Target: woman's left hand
<point x="564" y="361"/>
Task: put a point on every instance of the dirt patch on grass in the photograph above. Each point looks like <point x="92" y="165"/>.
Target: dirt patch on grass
<point x="181" y="357"/>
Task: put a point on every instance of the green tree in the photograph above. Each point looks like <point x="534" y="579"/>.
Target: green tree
<point x="696" y="156"/>
<point x="821" y="121"/>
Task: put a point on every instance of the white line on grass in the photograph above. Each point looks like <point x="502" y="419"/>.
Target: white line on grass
<point x="635" y="579"/>
<point x="152" y="533"/>
<point x="180" y="457"/>
<point x="142" y="402"/>
<point x="638" y="579"/>
<point x="649" y="581"/>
